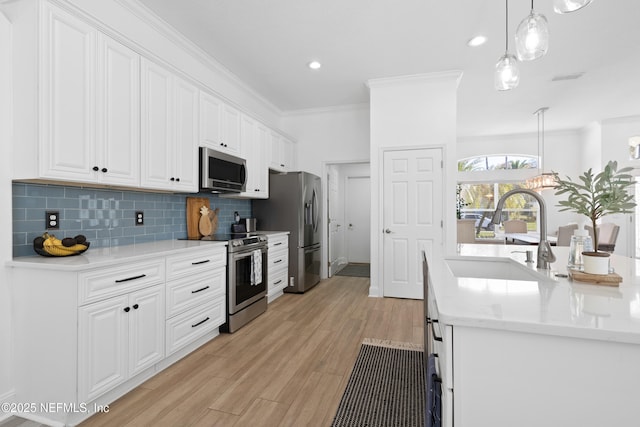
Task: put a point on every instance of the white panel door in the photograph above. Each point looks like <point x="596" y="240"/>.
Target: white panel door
<point x="358" y="219"/>
<point x="146" y="328"/>
<point x="185" y="172"/>
<point x="102" y="347"/>
<point x="68" y="107"/>
<point x="412" y="217"/>
<point x="156" y="127"/>
<point x="118" y="156"/>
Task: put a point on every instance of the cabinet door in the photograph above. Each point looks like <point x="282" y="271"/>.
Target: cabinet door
<point x="287" y="154"/>
<point x="275" y="161"/>
<point x="261" y="174"/>
<point x="102" y="347"/>
<point x="185" y="175"/>
<point x="231" y="130"/>
<point x="156" y="127"/>
<point x="68" y="77"/>
<point x="210" y="121"/>
<point x="248" y="136"/>
<point x="118" y="149"/>
<point x="146" y="328"/>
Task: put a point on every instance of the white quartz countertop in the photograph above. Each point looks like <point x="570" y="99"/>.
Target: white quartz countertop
<point x="555" y="306"/>
<point x="102" y="257"/>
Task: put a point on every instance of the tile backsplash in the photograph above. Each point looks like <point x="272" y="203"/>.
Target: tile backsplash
<point x="107" y="217"/>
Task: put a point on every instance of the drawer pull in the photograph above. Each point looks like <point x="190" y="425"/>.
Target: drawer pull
<point x="277" y="261"/>
<point x="200" y="322"/>
<point x="135" y="306"/>
<point x="277" y="244"/>
<point x="200" y="290"/>
<point x="131" y="278"/>
<point x="201" y="262"/>
<point x="127" y="309"/>
<point x="278" y="282"/>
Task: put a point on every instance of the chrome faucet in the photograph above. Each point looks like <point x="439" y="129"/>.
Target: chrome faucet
<point x="545" y="255"/>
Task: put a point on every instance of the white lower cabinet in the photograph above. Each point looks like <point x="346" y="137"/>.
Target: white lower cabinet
<point x="277" y="265"/>
<point x="119" y="338"/>
<point x="87" y="335"/>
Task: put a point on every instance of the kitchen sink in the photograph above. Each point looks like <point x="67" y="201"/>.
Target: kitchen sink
<point x="493" y="268"/>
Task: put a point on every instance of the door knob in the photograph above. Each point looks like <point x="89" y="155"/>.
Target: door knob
<point x="388" y="231"/>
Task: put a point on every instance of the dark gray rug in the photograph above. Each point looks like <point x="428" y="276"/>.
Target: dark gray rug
<point x="355" y="270"/>
<point x="386" y="387"/>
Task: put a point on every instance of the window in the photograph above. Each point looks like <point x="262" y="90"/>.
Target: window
<point x="483" y="180"/>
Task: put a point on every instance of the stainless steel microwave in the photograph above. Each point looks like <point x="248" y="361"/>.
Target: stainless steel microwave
<point x="221" y="172"/>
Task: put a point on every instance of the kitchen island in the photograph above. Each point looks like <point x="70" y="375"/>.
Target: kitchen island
<point x="533" y="349"/>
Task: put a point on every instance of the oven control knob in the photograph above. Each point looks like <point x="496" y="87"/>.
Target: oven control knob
<point x="236" y="243"/>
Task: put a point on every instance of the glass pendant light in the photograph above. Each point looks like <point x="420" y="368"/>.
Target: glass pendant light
<point x="566" y="6"/>
<point x="532" y="36"/>
<point x="507" y="74"/>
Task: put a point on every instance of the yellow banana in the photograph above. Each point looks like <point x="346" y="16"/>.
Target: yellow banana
<point x="53" y="246"/>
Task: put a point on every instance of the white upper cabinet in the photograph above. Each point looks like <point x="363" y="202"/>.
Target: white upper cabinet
<point x="219" y="125"/>
<point x="254" y="144"/>
<point x="89" y="105"/>
<point x="169" y="129"/>
<point x="118" y="154"/>
<point x="281" y="153"/>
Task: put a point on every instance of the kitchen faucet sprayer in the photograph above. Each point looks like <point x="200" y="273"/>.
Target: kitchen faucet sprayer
<point x="545" y="255"/>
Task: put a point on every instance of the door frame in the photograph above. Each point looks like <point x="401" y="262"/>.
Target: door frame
<point x="324" y="270"/>
<point x="377" y="224"/>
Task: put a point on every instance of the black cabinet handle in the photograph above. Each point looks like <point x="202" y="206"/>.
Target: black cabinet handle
<point x="277" y="244"/>
<point x="178" y="179"/>
<point x="127" y="309"/>
<point x="95" y="168"/>
<point x="221" y="144"/>
<point x="257" y="189"/>
<point x="281" y="165"/>
<point x="200" y="290"/>
<point x="200" y="322"/>
<point x="433" y="331"/>
<point x="278" y="282"/>
<point x="277" y="261"/>
<point x="201" y="262"/>
<point x="104" y="170"/>
<point x="135" y="306"/>
<point x="131" y="278"/>
<point x="172" y="179"/>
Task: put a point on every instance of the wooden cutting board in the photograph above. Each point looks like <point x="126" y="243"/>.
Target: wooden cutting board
<point x="193" y="215"/>
<point x="611" y="279"/>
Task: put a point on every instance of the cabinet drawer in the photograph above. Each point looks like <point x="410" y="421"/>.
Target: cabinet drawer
<point x="190" y="291"/>
<point x="277" y="242"/>
<point x="277" y="259"/>
<point x="191" y="325"/>
<point x="195" y="262"/>
<point x="107" y="282"/>
<point x="277" y="280"/>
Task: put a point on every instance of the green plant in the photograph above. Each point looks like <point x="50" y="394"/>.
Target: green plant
<point x="460" y="202"/>
<point x="597" y="195"/>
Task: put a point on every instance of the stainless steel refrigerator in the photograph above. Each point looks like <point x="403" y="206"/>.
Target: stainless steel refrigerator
<point x="294" y="205"/>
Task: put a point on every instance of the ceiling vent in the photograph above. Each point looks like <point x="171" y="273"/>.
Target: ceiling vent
<point x="567" y="77"/>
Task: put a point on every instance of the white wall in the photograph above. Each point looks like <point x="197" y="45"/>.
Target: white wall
<point x="590" y="153"/>
<point x="413" y="111"/>
<point x="6" y="169"/>
<point x="329" y="136"/>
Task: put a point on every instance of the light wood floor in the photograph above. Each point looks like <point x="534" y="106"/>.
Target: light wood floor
<point x="289" y="367"/>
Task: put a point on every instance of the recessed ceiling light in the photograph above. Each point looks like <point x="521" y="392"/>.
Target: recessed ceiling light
<point x="314" y="65"/>
<point x="477" y="41"/>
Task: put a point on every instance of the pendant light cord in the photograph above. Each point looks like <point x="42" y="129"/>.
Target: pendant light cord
<point x="506" y="26"/>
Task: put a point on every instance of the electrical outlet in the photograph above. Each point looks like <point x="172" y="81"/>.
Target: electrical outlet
<point x="52" y="220"/>
<point x="139" y="218"/>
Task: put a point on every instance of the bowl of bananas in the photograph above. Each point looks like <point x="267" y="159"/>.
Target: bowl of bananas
<point x="49" y="245"/>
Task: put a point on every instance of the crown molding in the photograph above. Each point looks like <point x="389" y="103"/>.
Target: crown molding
<point x="146" y="15"/>
<point x="327" y="110"/>
<point x="441" y="76"/>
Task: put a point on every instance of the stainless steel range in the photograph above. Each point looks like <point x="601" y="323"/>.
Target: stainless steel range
<point x="246" y="278"/>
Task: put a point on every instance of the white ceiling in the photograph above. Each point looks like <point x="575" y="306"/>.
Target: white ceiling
<point x="268" y="44"/>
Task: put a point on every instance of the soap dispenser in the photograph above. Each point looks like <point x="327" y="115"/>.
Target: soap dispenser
<point x="580" y="242"/>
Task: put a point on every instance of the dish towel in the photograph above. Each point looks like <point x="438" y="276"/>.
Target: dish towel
<point x="256" y="267"/>
<point x="433" y="412"/>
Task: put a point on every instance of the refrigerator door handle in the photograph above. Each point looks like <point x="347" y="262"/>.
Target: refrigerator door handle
<point x="314" y="207"/>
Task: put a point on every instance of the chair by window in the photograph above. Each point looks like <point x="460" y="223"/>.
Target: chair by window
<point x="607" y="236"/>
<point x="515" y="226"/>
<point x="564" y="234"/>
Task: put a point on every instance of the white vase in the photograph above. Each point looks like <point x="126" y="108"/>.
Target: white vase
<point x="595" y="264"/>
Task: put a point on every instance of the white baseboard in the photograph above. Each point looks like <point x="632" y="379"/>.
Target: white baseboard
<point x="7" y="397"/>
